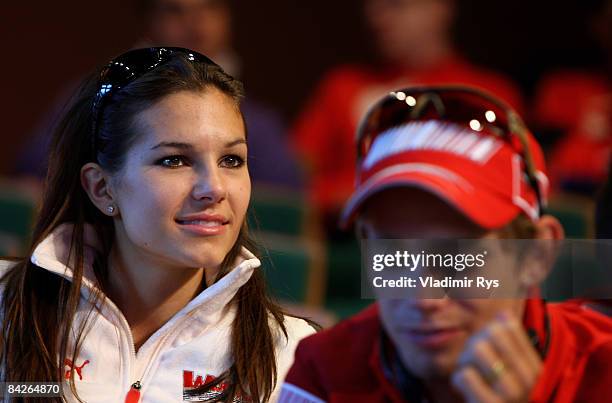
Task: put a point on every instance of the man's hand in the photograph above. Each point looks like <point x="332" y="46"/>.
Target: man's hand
<point x="499" y="364"/>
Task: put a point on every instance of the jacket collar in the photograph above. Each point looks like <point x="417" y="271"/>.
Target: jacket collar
<point x="52" y="254"/>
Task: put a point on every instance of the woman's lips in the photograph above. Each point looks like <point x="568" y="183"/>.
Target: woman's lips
<point x="203" y="227"/>
<point x="431" y="337"/>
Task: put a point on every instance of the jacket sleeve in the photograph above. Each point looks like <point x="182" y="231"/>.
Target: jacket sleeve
<point x="597" y="376"/>
<point x="302" y="384"/>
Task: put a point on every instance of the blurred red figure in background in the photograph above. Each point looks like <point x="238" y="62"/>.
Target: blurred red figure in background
<point x="414" y="42"/>
<point x="575" y="108"/>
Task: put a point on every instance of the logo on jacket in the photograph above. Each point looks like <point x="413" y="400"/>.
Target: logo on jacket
<point x="192" y="381"/>
<point x="68" y="362"/>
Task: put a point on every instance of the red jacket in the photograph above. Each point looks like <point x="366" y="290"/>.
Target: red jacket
<point x="580" y="104"/>
<point x="343" y="364"/>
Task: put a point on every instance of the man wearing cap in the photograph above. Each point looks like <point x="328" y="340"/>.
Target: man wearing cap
<point x="454" y="163"/>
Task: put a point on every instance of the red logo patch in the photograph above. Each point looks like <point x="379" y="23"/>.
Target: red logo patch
<point x="68" y="362"/>
<point x="192" y="381"/>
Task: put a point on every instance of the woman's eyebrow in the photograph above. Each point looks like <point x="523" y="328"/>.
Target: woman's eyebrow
<point x="235" y="142"/>
<point x="187" y="146"/>
<point x="173" y="144"/>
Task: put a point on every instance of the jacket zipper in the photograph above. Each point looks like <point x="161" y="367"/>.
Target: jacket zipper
<point x="133" y="395"/>
<point x="136" y="389"/>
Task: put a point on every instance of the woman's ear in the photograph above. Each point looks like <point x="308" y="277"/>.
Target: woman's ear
<point x="96" y="183"/>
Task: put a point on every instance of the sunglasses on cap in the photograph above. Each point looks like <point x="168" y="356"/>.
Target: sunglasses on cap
<point x="462" y="106"/>
<point x="130" y="66"/>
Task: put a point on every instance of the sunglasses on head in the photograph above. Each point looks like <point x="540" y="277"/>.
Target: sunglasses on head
<point x="463" y="106"/>
<point x="130" y="66"/>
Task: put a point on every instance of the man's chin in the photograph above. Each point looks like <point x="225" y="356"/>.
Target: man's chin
<point x="431" y="365"/>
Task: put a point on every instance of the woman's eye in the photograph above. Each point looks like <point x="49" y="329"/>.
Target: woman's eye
<point x="232" y="161"/>
<point x="173" y="161"/>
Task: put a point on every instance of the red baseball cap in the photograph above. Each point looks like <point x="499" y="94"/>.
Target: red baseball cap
<point x="459" y="143"/>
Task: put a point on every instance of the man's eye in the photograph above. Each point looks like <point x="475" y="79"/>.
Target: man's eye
<point x="173" y="161"/>
<point x="232" y="161"/>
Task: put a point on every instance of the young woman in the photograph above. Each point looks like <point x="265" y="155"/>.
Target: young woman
<point x="140" y="283"/>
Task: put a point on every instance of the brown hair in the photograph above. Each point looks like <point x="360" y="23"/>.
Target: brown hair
<point x="520" y="227"/>
<point x="39" y="307"/>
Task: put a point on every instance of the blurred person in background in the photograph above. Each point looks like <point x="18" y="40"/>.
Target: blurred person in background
<point x="205" y="26"/>
<point x="414" y="44"/>
<point x="573" y="110"/>
<point x="454" y="163"/>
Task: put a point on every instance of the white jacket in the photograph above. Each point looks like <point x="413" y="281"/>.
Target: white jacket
<point x="191" y="347"/>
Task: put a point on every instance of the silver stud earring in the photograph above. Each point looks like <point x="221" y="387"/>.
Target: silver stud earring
<point x="110" y="209"/>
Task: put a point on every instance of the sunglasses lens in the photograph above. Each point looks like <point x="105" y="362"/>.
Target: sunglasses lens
<point x="464" y="108"/>
<point x="133" y="64"/>
<point x="422" y="113"/>
<point x="130" y="65"/>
